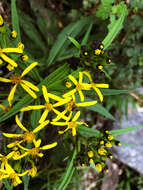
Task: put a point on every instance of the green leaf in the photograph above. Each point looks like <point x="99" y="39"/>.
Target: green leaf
<point x="86" y="36"/>
<point x="100" y="109"/>
<point x="88" y="131"/>
<point x="126" y="130"/>
<point x="109" y="92"/>
<point x="35" y="116"/>
<point x="115" y="26"/>
<point x="7" y="185"/>
<point x="49" y="81"/>
<point x="31" y="31"/>
<point x="62" y="43"/>
<point x="26" y="180"/>
<point x="74" y="42"/>
<point x="69" y="172"/>
<point x="15" y="19"/>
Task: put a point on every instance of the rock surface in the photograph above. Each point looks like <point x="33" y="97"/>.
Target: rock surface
<point x="131" y="155"/>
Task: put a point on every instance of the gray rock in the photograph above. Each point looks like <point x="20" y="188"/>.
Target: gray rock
<point x="131" y="155"/>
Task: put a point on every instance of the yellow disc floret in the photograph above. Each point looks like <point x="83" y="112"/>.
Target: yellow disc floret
<point x="14" y="34"/>
<point x="28" y="137"/>
<point x="102" y="151"/>
<point x="90" y="154"/>
<point x="99" y="167"/>
<point x="15" y="79"/>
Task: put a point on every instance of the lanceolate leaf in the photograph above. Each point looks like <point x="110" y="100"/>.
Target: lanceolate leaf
<point x="15" y="20"/>
<point x="126" y="130"/>
<point x="62" y="41"/>
<point x="115" y="29"/>
<point x="69" y="172"/>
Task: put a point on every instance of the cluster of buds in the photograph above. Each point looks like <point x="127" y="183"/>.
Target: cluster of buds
<point x="97" y="152"/>
<point x="93" y="56"/>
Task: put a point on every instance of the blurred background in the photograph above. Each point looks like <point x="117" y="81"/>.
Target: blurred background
<point x="41" y="21"/>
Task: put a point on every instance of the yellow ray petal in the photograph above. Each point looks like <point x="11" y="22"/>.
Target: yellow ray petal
<point x="73" y="131"/>
<point x="22" y="174"/>
<point x="61" y="132"/>
<point x="8" y="60"/>
<point x="36" y="107"/>
<point x="70" y="93"/>
<point x="20" y="124"/>
<point x="102" y="85"/>
<point x="30" y="85"/>
<point x="99" y="93"/>
<point x="88" y="75"/>
<point x="49" y="146"/>
<point x="62" y="102"/>
<point x="60" y="115"/>
<point x="41" y="126"/>
<point x="59" y="123"/>
<point x="29" y="68"/>
<point x="15" y="143"/>
<point x="18" y="157"/>
<point x="81" y="95"/>
<point x="54" y="97"/>
<point x="44" y="115"/>
<point x="84" y="104"/>
<point x="12" y="50"/>
<point x="80" y="77"/>
<point x="73" y="79"/>
<point x="11" y="94"/>
<point x="37" y="143"/>
<point x="30" y="92"/>
<point x="4" y="80"/>
<point x="86" y="86"/>
<point x="76" y="116"/>
<point x="23" y="148"/>
<point x="12" y="135"/>
<point x="45" y="93"/>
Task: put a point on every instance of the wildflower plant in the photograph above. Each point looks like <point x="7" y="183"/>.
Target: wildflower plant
<point x="48" y="109"/>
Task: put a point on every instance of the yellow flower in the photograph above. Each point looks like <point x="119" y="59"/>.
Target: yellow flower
<point x="36" y="150"/>
<point x="13" y="175"/>
<point x="48" y="106"/>
<point x="68" y="84"/>
<point x="71" y="106"/>
<point x="90" y="154"/>
<point x="102" y="151"/>
<point x="25" y="57"/>
<point x="108" y="144"/>
<point x="4" y="159"/>
<point x="96" y="86"/>
<point x="70" y="124"/>
<point x="33" y="171"/>
<point x="10" y="67"/>
<point x="14" y="34"/>
<point x="20" y="46"/>
<point x="17" y="79"/>
<point x="1" y="21"/>
<point x="99" y="167"/>
<point x="79" y="86"/>
<point x="91" y="160"/>
<point x="6" y="58"/>
<point x="27" y="136"/>
<point x="110" y="137"/>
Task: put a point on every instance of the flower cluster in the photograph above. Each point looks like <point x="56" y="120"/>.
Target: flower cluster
<point x="64" y="111"/>
<point x="97" y="151"/>
<point x="93" y="56"/>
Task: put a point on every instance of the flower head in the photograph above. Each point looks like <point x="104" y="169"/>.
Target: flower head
<point x="27" y="136"/>
<point x="96" y="86"/>
<point x="16" y="79"/>
<point x="70" y="124"/>
<point x="48" y="106"/>
<point x="79" y="86"/>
